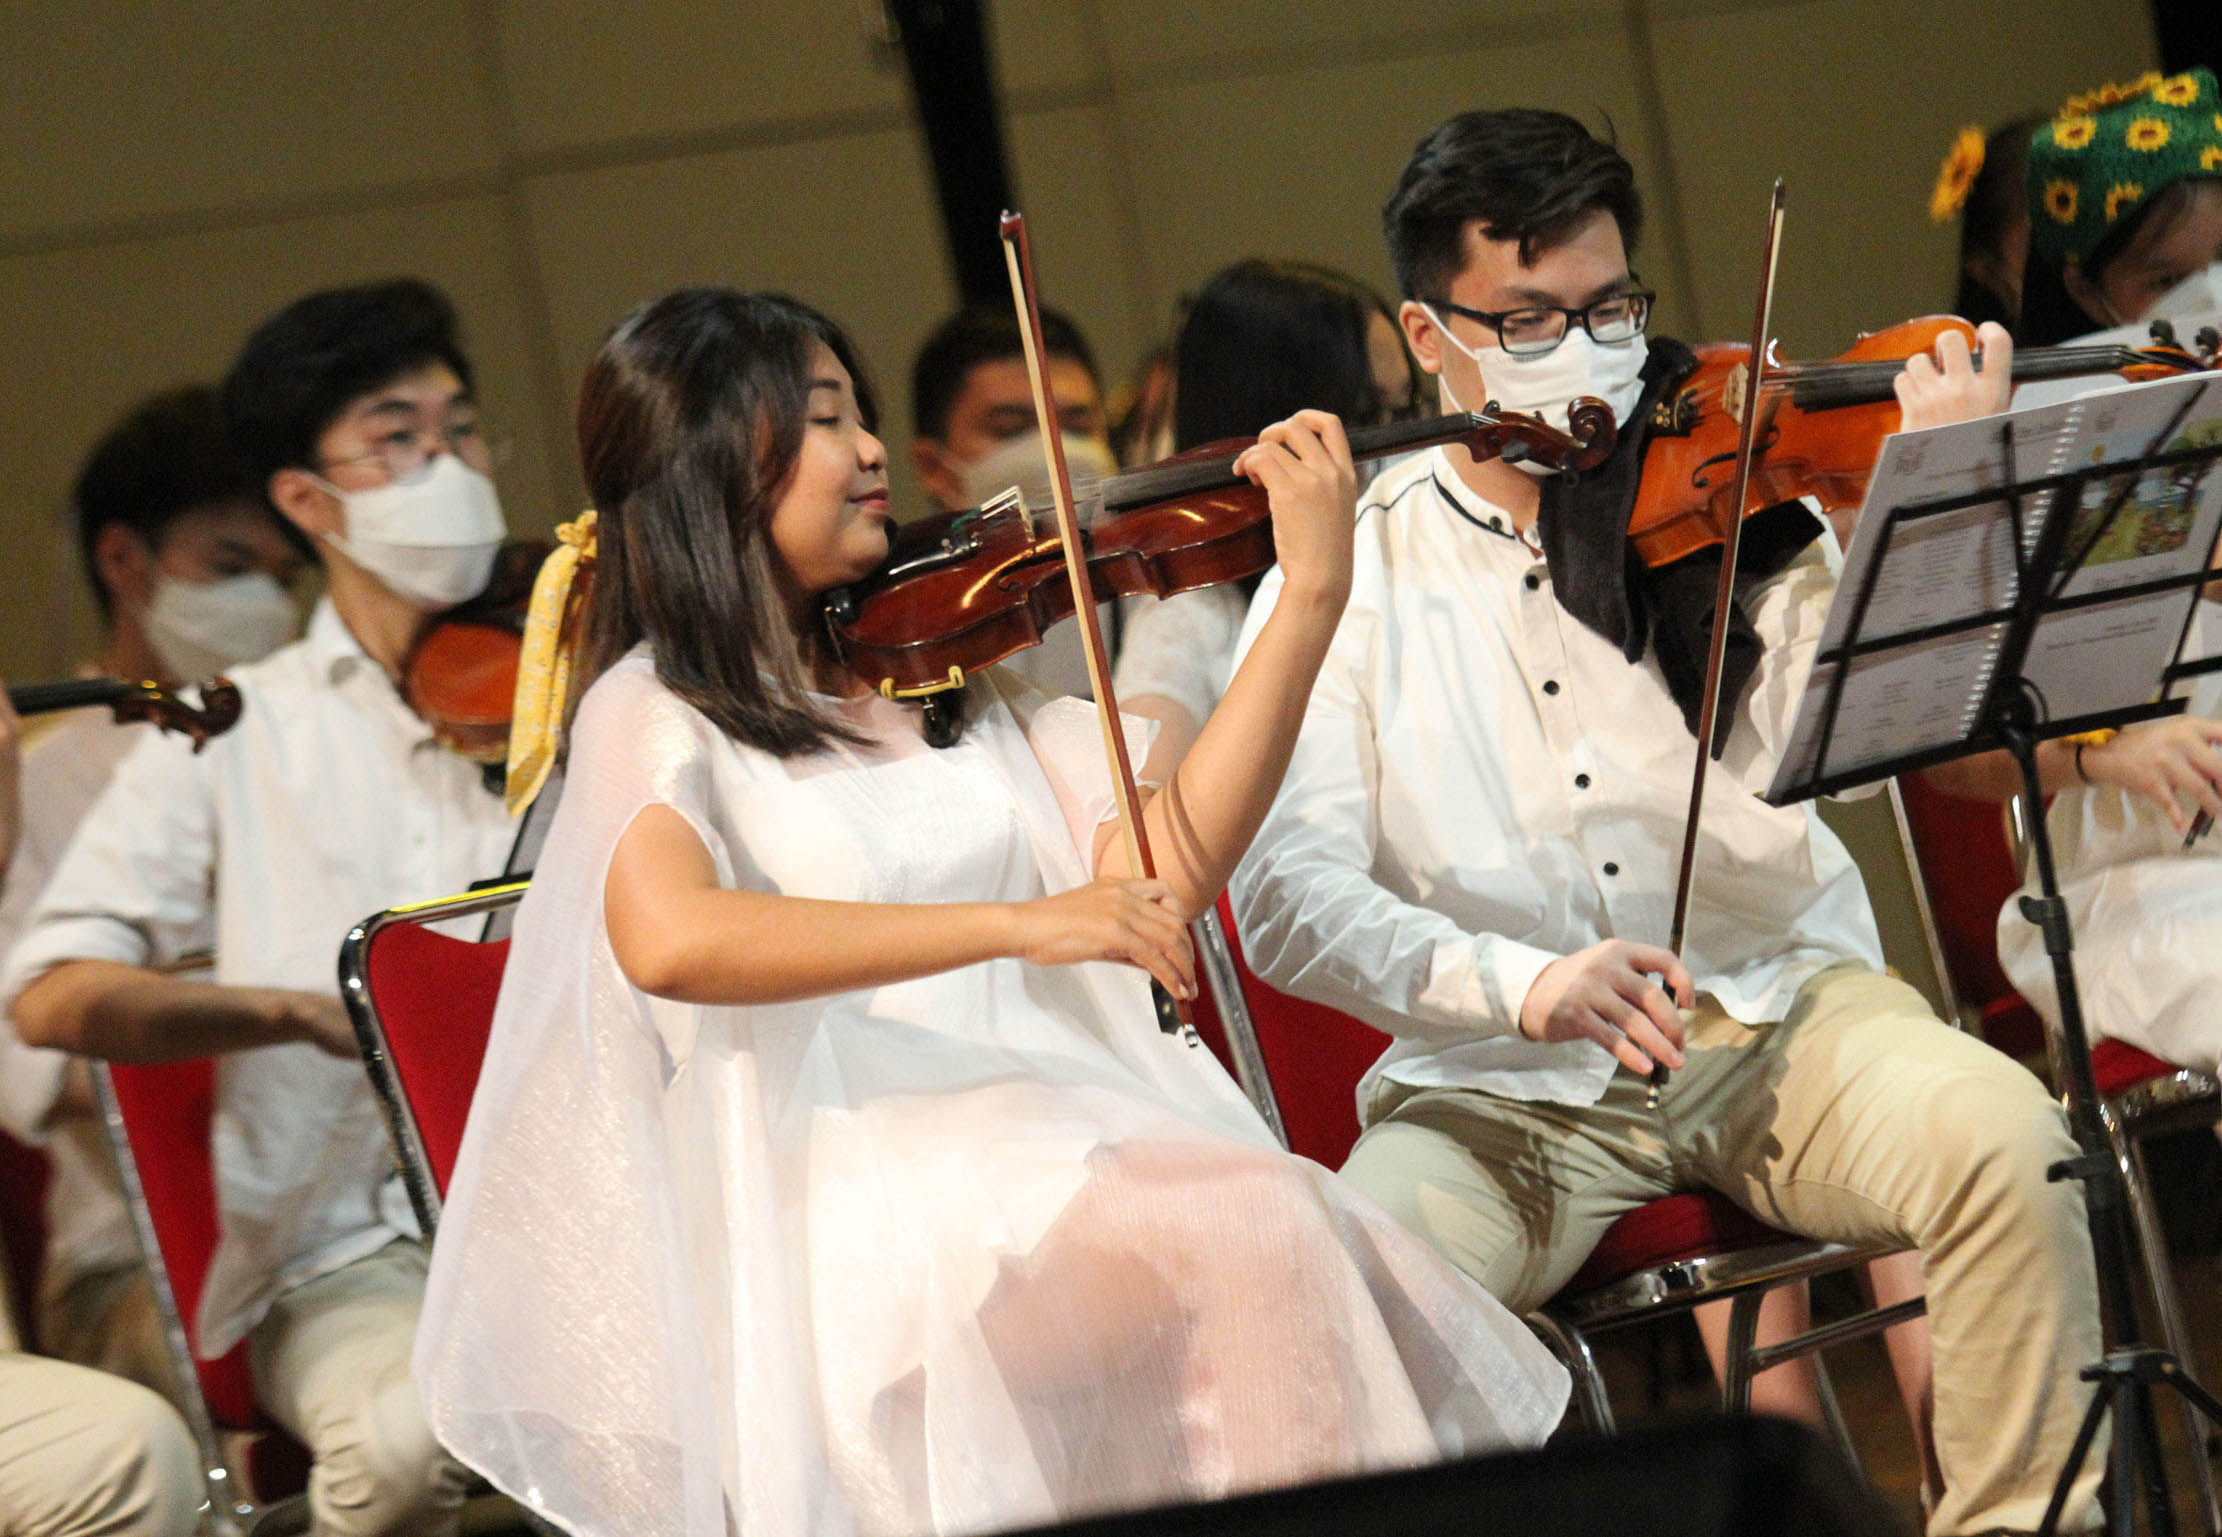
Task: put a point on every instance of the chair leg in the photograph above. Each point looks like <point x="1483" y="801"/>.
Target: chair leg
<point x="1743" y="1327"/>
<point x="1832" y="1414"/>
<point x="1571" y="1346"/>
<point x="2174" y="1333"/>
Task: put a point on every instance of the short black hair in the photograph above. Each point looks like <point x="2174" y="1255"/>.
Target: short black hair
<point x="169" y="455"/>
<point x="301" y="367"/>
<point x="1526" y="174"/>
<point x="976" y="334"/>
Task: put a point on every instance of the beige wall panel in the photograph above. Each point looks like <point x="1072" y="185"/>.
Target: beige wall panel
<point x="1142" y="36"/>
<point x="586" y="72"/>
<point x="1830" y="96"/>
<point x="847" y="224"/>
<point x="93" y="331"/>
<point x="118" y="111"/>
<point x="1081" y="222"/>
<point x="1298" y="163"/>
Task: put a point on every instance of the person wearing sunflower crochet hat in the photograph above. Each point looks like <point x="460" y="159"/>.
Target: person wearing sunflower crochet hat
<point x="2125" y="189"/>
<point x="2125" y="207"/>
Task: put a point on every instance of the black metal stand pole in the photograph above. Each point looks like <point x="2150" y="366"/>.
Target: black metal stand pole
<point x="2125" y="1377"/>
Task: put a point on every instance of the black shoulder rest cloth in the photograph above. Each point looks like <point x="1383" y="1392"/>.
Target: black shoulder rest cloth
<point x="1600" y="580"/>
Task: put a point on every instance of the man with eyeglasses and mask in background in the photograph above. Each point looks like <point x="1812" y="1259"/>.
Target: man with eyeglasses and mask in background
<point x="1476" y="844"/>
<point x="329" y="801"/>
<point x="191" y="572"/>
<point x="974" y="436"/>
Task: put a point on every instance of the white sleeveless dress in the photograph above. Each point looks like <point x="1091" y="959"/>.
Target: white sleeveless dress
<point x="960" y="1254"/>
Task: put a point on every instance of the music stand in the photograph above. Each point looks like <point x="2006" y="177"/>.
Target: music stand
<point x="2012" y="716"/>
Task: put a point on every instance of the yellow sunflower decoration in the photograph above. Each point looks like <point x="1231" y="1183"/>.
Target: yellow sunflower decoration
<point x="2147" y="135"/>
<point x="1956" y="177"/>
<point x="2111" y="151"/>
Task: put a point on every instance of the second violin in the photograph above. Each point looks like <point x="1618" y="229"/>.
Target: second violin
<point x="964" y="591"/>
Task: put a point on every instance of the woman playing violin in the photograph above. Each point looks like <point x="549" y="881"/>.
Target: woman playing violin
<point x="1475" y="847"/>
<point x="829" y="1170"/>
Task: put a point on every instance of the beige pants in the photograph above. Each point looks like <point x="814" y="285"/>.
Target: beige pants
<point x="83" y="1453"/>
<point x="1860" y="1118"/>
<point x="331" y="1364"/>
<point x="108" y="1321"/>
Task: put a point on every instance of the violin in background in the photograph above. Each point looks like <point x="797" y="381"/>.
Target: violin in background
<point x="216" y="713"/>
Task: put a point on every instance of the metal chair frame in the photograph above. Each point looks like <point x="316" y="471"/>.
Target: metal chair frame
<point x="370" y="1032"/>
<point x="231" y="1510"/>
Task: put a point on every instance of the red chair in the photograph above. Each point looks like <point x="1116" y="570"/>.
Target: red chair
<point x="23" y="1179"/>
<point x="423" y="1003"/>
<point x="1666" y="1256"/>
<point x="2141" y="1095"/>
<point x="159" y="1117"/>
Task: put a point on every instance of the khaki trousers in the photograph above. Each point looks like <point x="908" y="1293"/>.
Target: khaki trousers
<point x="1860" y="1118"/>
<point x="108" y="1320"/>
<point x="83" y="1453"/>
<point x="331" y="1364"/>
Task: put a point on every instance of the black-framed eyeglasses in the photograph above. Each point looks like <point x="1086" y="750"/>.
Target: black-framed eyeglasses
<point x="1536" y="329"/>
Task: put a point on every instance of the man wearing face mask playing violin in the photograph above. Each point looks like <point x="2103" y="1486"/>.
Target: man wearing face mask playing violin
<point x="1475" y="850"/>
<point x="330" y="800"/>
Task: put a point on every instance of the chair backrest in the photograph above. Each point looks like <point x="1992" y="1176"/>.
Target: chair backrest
<point x="423" y="1005"/>
<point x="23" y="1180"/>
<point x="1968" y="871"/>
<point x="1313" y="1057"/>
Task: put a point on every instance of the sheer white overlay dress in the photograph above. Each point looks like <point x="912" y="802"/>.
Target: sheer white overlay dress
<point x="966" y="1253"/>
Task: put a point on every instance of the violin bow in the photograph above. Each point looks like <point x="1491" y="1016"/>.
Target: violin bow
<point x="1173" y="1016"/>
<point x="1724" y="595"/>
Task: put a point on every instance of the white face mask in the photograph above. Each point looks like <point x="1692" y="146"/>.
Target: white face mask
<point x="1546" y="387"/>
<point x="1020" y="462"/>
<point x="198" y="629"/>
<point x="2197" y="295"/>
<point x="431" y="539"/>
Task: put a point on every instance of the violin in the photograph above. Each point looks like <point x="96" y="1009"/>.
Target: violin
<point x="1821" y="424"/>
<point x="216" y="714"/>
<point x="461" y="675"/>
<point x="962" y="591"/>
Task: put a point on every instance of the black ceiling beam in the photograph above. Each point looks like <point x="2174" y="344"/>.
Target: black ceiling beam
<point x="952" y="85"/>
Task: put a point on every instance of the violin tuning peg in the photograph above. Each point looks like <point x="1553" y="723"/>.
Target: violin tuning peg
<point x="2163" y="334"/>
<point x="2209" y="341"/>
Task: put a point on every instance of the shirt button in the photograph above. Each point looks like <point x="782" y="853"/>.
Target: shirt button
<point x="1611" y="868"/>
<point x="1581" y="781"/>
<point x="1550" y="686"/>
<point x="1533" y="581"/>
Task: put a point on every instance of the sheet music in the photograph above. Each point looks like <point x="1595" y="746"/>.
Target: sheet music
<point x="1932" y="568"/>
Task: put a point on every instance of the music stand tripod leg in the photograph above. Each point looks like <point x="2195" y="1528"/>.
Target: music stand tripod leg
<point x="2124" y="1378"/>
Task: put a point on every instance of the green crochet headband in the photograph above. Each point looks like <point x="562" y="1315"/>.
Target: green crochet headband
<point x="2110" y="150"/>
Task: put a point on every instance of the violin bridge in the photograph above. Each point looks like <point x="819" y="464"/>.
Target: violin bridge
<point x="1734" y="389"/>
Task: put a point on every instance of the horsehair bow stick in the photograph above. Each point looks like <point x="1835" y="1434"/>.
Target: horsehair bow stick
<point x="1173" y="1016"/>
<point x="1724" y="594"/>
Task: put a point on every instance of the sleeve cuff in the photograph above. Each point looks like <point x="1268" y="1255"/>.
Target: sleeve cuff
<point x="1481" y="982"/>
<point x="59" y="940"/>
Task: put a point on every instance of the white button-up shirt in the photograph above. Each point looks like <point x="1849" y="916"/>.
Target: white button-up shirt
<point x="65" y="767"/>
<point x="326" y="803"/>
<point x="1483" y="784"/>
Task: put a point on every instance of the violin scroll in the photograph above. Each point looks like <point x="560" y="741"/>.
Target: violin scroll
<point x="217" y="712"/>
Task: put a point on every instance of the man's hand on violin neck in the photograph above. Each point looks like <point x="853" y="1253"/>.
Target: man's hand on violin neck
<point x="1948" y="387"/>
<point x="1610" y="994"/>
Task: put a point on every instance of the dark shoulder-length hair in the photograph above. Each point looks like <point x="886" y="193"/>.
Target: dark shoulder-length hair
<point x="690" y="419"/>
<point x="1266" y="339"/>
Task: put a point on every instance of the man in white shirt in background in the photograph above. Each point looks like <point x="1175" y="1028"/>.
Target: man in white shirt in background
<point x="191" y="572"/>
<point x="1476" y="845"/>
<point x="327" y="802"/>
